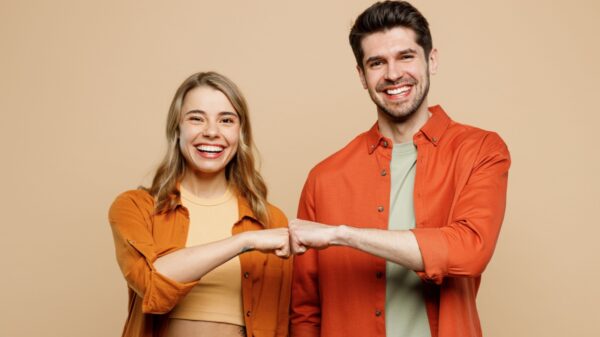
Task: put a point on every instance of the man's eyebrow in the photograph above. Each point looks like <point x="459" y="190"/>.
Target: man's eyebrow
<point x="373" y="58"/>
<point x="407" y="51"/>
<point x="401" y="52"/>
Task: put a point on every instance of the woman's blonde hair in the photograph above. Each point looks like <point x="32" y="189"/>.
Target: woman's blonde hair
<point x="241" y="171"/>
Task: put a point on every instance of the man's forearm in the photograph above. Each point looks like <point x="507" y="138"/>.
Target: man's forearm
<point x="398" y="246"/>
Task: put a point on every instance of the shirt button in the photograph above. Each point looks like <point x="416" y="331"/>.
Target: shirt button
<point x="248" y="313"/>
<point x="377" y="313"/>
<point x="379" y="274"/>
<point x="246" y="275"/>
<point x="383" y="173"/>
<point x="385" y="143"/>
<point x="380" y="209"/>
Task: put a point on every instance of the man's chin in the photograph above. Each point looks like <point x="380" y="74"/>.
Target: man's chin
<point x="397" y="116"/>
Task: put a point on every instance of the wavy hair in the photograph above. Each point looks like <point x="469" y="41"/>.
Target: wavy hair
<point x="241" y="171"/>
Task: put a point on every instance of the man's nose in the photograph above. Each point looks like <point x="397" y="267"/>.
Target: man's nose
<point x="393" y="72"/>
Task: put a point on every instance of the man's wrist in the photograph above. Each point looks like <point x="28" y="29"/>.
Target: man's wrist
<point x="342" y="235"/>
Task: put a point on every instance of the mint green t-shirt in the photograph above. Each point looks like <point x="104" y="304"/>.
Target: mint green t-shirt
<point x="405" y="312"/>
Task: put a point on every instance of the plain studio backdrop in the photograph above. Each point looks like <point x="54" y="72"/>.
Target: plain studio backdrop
<point x="85" y="87"/>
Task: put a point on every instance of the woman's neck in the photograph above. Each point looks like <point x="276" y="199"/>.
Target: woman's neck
<point x="205" y="186"/>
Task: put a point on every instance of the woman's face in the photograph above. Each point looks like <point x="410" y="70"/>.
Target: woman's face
<point x="209" y="131"/>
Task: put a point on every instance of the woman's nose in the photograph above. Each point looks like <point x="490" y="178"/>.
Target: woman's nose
<point x="211" y="130"/>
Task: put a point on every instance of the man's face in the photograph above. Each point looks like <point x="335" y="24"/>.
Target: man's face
<point x="396" y="72"/>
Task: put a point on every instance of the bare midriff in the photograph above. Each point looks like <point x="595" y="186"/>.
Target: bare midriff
<point x="189" y="328"/>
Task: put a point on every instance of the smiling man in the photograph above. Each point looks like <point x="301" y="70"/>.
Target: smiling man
<point x="404" y="219"/>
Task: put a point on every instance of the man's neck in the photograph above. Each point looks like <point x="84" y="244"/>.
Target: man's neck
<point x="402" y="132"/>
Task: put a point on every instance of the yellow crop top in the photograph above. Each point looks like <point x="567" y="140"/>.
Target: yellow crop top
<point x="218" y="295"/>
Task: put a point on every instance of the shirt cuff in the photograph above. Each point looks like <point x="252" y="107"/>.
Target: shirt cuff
<point x="164" y="293"/>
<point x="434" y="250"/>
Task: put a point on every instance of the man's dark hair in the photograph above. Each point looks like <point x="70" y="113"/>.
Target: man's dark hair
<point x="386" y="15"/>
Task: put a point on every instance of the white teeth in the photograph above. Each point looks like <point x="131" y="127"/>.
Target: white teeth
<point x="209" y="148"/>
<point x="397" y="91"/>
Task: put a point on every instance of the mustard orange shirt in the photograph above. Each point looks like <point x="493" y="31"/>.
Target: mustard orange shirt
<point x="459" y="200"/>
<point x="141" y="236"/>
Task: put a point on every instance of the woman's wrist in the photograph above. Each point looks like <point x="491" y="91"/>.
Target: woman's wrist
<point x="246" y="242"/>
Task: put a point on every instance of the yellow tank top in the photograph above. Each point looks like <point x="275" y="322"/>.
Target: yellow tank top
<point x="218" y="295"/>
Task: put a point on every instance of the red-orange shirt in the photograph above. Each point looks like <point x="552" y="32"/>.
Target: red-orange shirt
<point x="459" y="201"/>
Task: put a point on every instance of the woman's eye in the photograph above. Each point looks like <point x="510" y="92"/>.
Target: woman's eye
<point x="227" y="120"/>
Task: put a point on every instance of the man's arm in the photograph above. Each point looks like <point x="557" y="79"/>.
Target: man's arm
<point x="398" y="246"/>
<point x="464" y="246"/>
<point x="461" y="248"/>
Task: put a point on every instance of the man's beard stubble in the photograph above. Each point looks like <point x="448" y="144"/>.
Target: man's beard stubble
<point x="411" y="110"/>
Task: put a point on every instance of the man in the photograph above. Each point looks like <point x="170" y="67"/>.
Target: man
<point x="404" y="219"/>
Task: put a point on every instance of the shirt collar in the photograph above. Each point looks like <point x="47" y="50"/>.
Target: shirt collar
<point x="436" y="125"/>
<point x="433" y="130"/>
<point x="245" y="211"/>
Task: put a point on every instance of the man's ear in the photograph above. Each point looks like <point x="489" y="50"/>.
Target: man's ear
<point x="361" y="74"/>
<point x="433" y="61"/>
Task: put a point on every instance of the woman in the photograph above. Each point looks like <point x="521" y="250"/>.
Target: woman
<point x="177" y="242"/>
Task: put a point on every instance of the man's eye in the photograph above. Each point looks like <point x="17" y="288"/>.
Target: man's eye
<point x="408" y="57"/>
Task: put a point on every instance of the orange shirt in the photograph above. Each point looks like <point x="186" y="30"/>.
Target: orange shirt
<point x="459" y="201"/>
<point x="141" y="237"/>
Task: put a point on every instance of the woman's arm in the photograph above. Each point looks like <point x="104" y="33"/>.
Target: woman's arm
<point x="190" y="264"/>
<point x="136" y="253"/>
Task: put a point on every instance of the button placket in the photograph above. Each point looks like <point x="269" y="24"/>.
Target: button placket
<point x="381" y="188"/>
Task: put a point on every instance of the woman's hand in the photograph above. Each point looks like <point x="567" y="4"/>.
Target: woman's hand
<point x="275" y="241"/>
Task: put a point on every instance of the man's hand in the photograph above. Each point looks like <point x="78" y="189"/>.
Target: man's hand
<point x="307" y="234"/>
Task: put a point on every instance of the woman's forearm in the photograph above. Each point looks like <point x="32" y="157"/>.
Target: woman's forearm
<point x="192" y="263"/>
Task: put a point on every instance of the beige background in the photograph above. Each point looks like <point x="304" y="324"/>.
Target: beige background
<point x="85" y="87"/>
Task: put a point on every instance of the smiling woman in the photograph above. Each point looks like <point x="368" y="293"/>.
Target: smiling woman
<point x="202" y="251"/>
<point x="209" y="133"/>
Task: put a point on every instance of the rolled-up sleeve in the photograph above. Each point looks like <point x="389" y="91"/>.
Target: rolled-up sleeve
<point x="136" y="253"/>
<point x="465" y="245"/>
